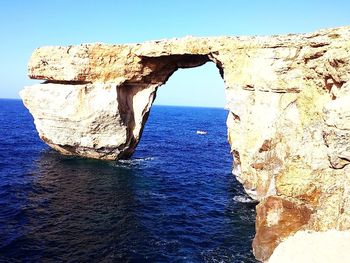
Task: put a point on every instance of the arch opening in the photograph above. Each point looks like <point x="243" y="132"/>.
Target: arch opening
<point x="191" y="173"/>
<point x="201" y="86"/>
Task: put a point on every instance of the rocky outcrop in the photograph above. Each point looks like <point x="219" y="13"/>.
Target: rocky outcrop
<point x="99" y="120"/>
<point x="288" y="121"/>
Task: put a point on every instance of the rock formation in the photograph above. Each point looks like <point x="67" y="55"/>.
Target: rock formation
<point x="288" y="124"/>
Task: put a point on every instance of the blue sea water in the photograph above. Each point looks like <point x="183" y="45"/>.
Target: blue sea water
<point x="175" y="200"/>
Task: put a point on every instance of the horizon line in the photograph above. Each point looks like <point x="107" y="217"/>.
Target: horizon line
<point x="155" y="104"/>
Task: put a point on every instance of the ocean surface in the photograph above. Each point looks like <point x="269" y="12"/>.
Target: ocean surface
<point x="175" y="200"/>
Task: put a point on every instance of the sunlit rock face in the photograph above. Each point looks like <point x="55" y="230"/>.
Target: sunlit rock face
<point x="99" y="120"/>
<point x="288" y="122"/>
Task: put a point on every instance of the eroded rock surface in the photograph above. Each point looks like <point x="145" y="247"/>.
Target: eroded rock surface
<point x="288" y="122"/>
<point x="276" y="219"/>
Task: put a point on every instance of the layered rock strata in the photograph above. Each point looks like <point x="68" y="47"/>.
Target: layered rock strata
<point x="288" y="99"/>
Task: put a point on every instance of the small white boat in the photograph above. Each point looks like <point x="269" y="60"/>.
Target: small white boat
<point x="202" y="132"/>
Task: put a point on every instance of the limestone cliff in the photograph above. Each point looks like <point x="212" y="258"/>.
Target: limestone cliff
<point x="288" y="124"/>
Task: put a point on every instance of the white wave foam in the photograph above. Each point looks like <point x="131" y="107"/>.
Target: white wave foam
<point x="243" y="199"/>
<point x="131" y="162"/>
<point x="136" y="160"/>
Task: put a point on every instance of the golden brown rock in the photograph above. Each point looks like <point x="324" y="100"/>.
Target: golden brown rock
<point x="276" y="219"/>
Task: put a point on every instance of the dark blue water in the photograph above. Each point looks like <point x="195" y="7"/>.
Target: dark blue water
<point x="174" y="201"/>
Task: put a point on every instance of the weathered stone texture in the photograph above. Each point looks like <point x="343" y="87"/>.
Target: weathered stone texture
<point x="287" y="97"/>
<point x="276" y="219"/>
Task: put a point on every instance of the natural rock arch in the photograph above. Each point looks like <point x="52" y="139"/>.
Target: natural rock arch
<point x="288" y="124"/>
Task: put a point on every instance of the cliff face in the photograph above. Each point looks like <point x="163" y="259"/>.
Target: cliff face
<point x="288" y="124"/>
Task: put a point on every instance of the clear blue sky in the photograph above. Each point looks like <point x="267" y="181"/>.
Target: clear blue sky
<point x="25" y="25"/>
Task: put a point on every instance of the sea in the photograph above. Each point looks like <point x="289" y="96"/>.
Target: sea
<point x="175" y="200"/>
